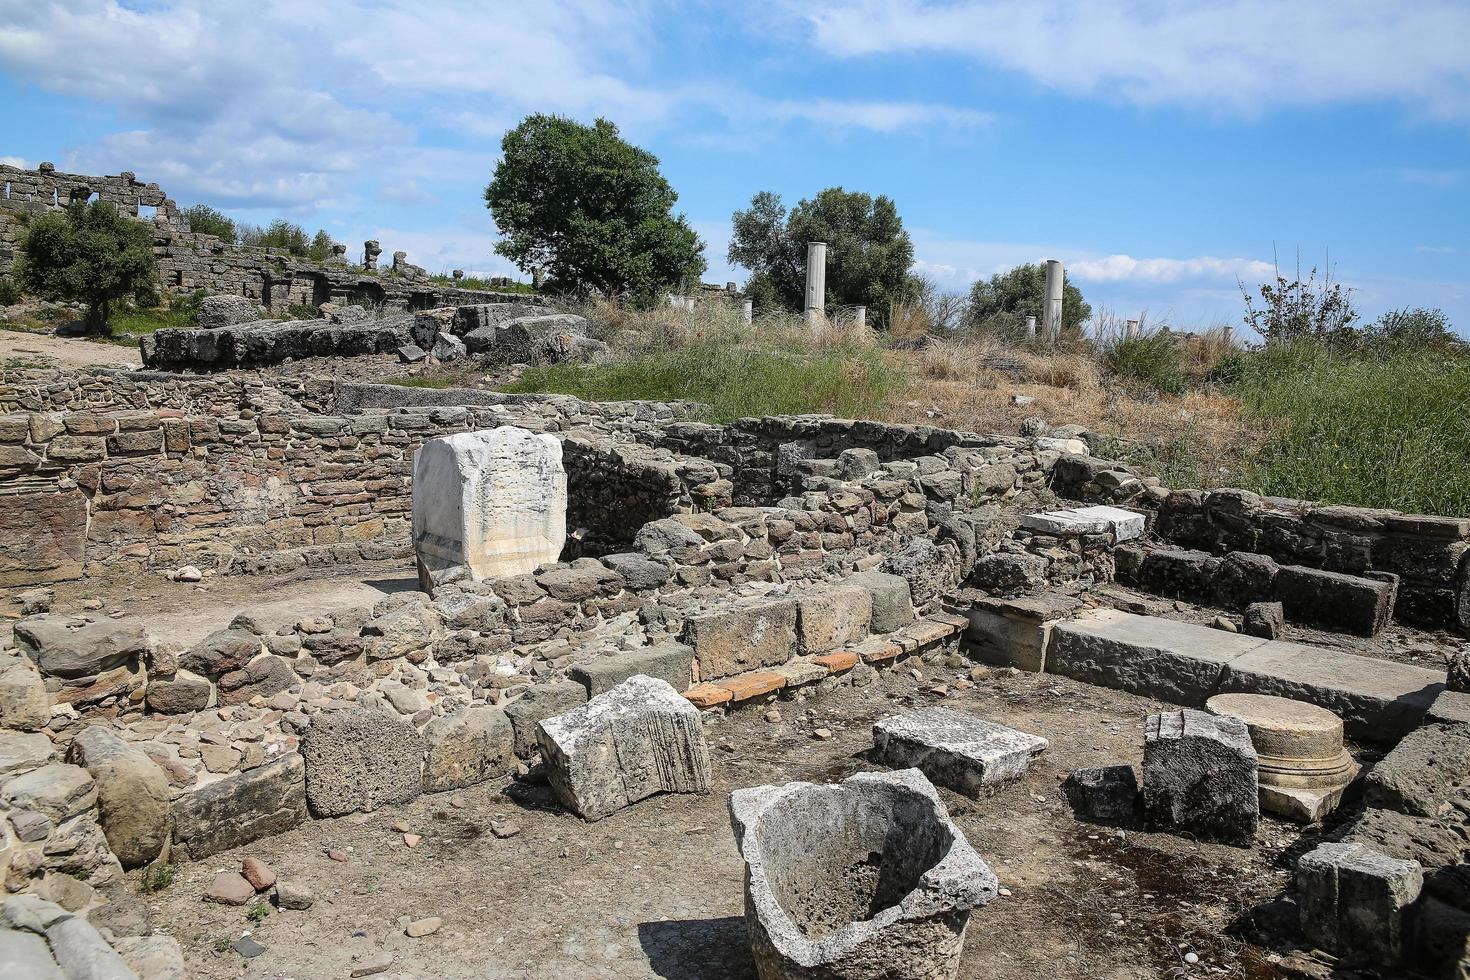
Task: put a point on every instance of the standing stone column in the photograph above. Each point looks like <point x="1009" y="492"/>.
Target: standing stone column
<point x="370" y="252"/>
<point x="1031" y="328"/>
<point x="1052" y="312"/>
<point x="860" y="315"/>
<point x="816" y="281"/>
<point x="1131" y="330"/>
<point x="487" y="504"/>
<point x="747" y="310"/>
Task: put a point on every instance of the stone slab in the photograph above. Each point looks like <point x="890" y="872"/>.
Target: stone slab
<point x="955" y="749"/>
<point x="1124" y="525"/>
<point x="43" y="537"/>
<point x="241" y="808"/>
<point x="667" y="661"/>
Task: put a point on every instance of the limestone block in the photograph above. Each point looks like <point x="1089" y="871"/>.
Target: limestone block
<point x="1015" y="632"/>
<point x="539" y="702"/>
<point x="240" y="808"/>
<point x="1352" y="900"/>
<point x="59" y="791"/>
<point x="359" y="760"/>
<point x="893" y="607"/>
<point x="638" y="739"/>
<point x="467" y="747"/>
<point x="954" y="749"/>
<point x="25" y="955"/>
<point x="21" y="753"/>
<point x="226" y="311"/>
<point x="667" y="661"/>
<point x="832" y="618"/>
<point x="488" y="504"/>
<point x="1108" y="794"/>
<point x="1199" y="776"/>
<point x="43" y="537"/>
<point x="1336" y="601"/>
<point x="132" y="795"/>
<point x="867" y="878"/>
<point x="743" y="637"/>
<point x="1124" y="525"/>
<point x="75" y="646"/>
<point x="1426" y="774"/>
<point x="1431" y="841"/>
<point x="81" y="951"/>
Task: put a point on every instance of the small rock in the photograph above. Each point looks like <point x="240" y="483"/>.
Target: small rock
<point x="423" y="927"/>
<point x="822" y="733"/>
<point x="774" y="716"/>
<point x="258" y="873"/>
<point x="36" y="601"/>
<point x="373" y="963"/>
<point x="247" y="946"/>
<point x="92" y="603"/>
<point x="291" y="895"/>
<point x="504" y="828"/>
<point x="1191" y="958"/>
<point x="401" y="826"/>
<point x="978" y="673"/>
<point x="1223" y="623"/>
<point x="411" y="840"/>
<point x="337" y="855"/>
<point x="229" y="888"/>
<point x="188" y="574"/>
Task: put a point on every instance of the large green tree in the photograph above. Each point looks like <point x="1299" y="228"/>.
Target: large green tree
<point x="89" y="253"/>
<point x="868" y="251"/>
<point x="205" y="220"/>
<point x="590" y="210"/>
<point x="1002" y="302"/>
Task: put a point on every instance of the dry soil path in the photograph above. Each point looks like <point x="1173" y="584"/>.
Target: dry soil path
<point x="45" y="350"/>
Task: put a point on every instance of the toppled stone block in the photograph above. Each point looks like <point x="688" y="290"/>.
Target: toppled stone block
<point x="132" y="795"/>
<point x="832" y="618"/>
<point x="638" y="739"/>
<point x="359" y="760"/>
<point x="667" y="661"/>
<point x="241" y="808"/>
<point x="1199" y="776"/>
<point x="448" y="347"/>
<point x="488" y="504"/>
<point x="1426" y="775"/>
<point x="24" y="703"/>
<point x="538" y="703"/>
<point x="955" y="749"/>
<point x="1107" y="794"/>
<point x="1243" y="578"/>
<point x="743" y="637"/>
<point x="1336" y="601"/>
<point x="75" y="646"/>
<point x="893" y="607"/>
<point x="468" y="747"/>
<point x="867" y="878"/>
<point x="1264" y="619"/>
<point x="1352" y="900"/>
<point x="411" y="353"/>
<point x="226" y="311"/>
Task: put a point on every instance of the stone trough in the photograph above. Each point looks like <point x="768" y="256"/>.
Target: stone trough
<point x="866" y="878"/>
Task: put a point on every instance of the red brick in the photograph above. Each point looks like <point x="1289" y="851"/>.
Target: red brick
<point x="837" y="662"/>
<point x="743" y="687"/>
<point x="707" y="695"/>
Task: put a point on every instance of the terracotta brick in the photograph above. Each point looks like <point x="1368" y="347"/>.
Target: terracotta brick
<point x="837" y="662"/>
<point x="743" y="687"/>
<point x="707" y="695"/>
<point x="926" y="631"/>
<point x="878" y="649"/>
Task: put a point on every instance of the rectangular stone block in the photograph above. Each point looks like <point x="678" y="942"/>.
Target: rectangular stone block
<point x="832" y="618"/>
<point x="668" y="661"/>
<point x="43" y="537"/>
<point x="1352" y="900"/>
<point x="1015" y="632"/>
<point x="1335" y="601"/>
<point x="240" y="808"/>
<point x="1124" y="525"/>
<point x="955" y="749"/>
<point x="736" y="639"/>
<point x="1200" y="776"/>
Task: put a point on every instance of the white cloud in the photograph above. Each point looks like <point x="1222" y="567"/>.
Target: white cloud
<point x="14" y="162"/>
<point x="1238" y="56"/>
<point x="1125" y="268"/>
<point x="878" y="117"/>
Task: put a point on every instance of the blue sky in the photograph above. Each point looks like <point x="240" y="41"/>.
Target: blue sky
<point x="1161" y="149"/>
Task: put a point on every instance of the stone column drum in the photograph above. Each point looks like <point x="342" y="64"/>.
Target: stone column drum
<point x="487" y="504"/>
<point x="1303" y="765"/>
<point x="868" y="878"/>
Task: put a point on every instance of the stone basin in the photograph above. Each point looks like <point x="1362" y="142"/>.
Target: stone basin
<point x="866" y="878"/>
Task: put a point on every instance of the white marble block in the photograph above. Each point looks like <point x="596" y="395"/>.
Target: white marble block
<point x="487" y="504"/>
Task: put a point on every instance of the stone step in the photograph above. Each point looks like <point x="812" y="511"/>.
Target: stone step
<point x="1379" y="701"/>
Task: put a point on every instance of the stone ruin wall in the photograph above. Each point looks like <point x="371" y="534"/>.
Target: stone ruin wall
<point x="189" y="262"/>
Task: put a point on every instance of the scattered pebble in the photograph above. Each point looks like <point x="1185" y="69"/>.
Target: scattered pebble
<point x="373" y="963"/>
<point x="247" y="946"/>
<point x="423" y="927"/>
<point x="504" y="828"/>
<point x="411" y="840"/>
<point x="822" y="733"/>
<point x="401" y="826"/>
<point x="337" y="855"/>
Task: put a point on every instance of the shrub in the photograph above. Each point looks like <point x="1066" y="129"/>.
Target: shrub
<point x="1000" y="304"/>
<point x="1301" y="309"/>
<point x="9" y="292"/>
<point x="90" y="253"/>
<point x="205" y="220"/>
<point x="1411" y="327"/>
<point x="1151" y="360"/>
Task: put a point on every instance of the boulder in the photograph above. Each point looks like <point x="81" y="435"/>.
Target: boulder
<point x="467" y="747"/>
<point x="81" y="952"/>
<point x="1108" y="794"/>
<point x="1200" y="776"/>
<point x="537" y="703"/>
<point x="359" y="760"/>
<point x="25" y="956"/>
<point x="262" y="677"/>
<point x="75" y="646"/>
<point x="448" y="347"/>
<point x="132" y="795"/>
<point x="221" y="652"/>
<point x="640" y="738"/>
<point x="487" y="504"/>
<point x="58" y="790"/>
<point x="179" y="693"/>
<point x="241" y="808"/>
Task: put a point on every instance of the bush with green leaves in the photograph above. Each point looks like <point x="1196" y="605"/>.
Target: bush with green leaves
<point x="1412" y="327"/>
<point x="1301" y="309"/>
<point x="590" y="210"/>
<point x="289" y="236"/>
<point x="868" y="250"/>
<point x="1150" y="360"/>
<point x="10" y="293"/>
<point x="1000" y="305"/>
<point x="90" y="253"/>
<point x="205" y="220"/>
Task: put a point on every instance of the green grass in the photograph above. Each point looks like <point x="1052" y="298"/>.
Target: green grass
<point x="1384" y="430"/>
<point x="737" y="379"/>
<point x="475" y="282"/>
<point x="421" y="382"/>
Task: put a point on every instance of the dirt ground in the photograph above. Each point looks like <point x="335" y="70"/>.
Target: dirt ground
<point x="655" y="890"/>
<point x="35" y="350"/>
